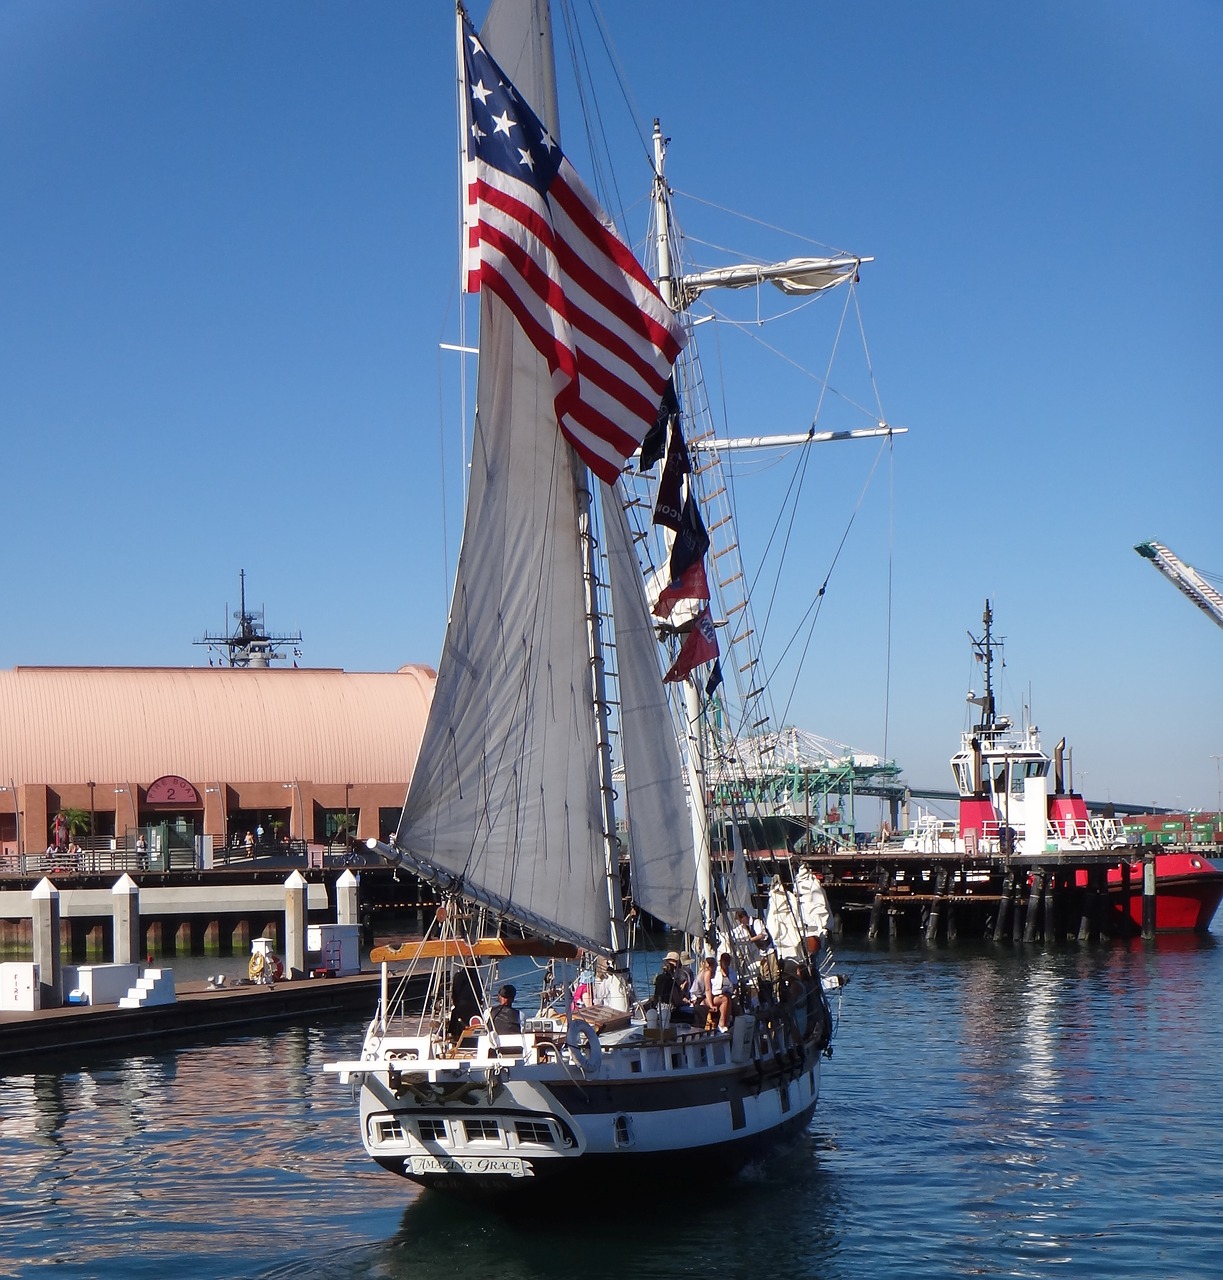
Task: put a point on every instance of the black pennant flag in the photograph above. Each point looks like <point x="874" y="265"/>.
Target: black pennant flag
<point x="715" y="678"/>
<point x="655" y="443"/>
<point x="669" y="506"/>
<point x="691" y="539"/>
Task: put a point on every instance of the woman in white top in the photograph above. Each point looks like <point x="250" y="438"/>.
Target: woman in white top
<point x="722" y="990"/>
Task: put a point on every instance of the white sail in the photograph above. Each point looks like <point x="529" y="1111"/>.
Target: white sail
<point x="505" y="793"/>
<point x="663" y="860"/>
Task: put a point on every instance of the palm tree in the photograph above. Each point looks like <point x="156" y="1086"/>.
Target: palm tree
<point x="77" y="822"/>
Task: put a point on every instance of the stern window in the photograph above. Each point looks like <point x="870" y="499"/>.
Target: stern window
<point x="390" y="1131"/>
<point x="482" y="1130"/>
<point x="535" y="1131"/>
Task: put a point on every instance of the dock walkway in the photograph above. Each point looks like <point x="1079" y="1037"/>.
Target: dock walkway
<point x="199" y="1011"/>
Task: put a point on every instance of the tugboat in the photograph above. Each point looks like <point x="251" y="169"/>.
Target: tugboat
<point x="1017" y="801"/>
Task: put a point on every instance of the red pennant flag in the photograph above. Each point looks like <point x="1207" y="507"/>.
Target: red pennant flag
<point x="690" y="585"/>
<point x="700" y="646"/>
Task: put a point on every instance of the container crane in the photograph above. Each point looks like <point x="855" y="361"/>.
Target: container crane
<point x="1185" y="578"/>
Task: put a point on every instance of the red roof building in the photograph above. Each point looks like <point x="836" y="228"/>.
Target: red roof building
<point x="290" y="754"/>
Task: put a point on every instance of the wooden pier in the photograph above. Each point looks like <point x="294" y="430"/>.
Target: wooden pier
<point x="890" y="893"/>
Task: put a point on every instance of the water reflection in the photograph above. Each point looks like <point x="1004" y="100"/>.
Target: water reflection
<point x="990" y="1111"/>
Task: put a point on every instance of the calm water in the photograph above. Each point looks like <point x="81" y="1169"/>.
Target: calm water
<point x="1000" y="1113"/>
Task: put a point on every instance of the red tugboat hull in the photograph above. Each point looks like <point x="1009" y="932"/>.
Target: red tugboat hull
<point x="1188" y="890"/>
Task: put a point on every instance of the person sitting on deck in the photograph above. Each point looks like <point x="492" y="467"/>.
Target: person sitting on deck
<point x="465" y="994"/>
<point x="504" y="1018"/>
<point x="712" y="991"/>
<point x="671" y="988"/>
<point x="722" y="988"/>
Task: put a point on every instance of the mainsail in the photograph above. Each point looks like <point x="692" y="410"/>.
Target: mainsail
<point x="506" y="798"/>
<point x="505" y="794"/>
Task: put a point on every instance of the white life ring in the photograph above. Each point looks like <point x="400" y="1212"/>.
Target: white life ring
<point x="582" y="1041"/>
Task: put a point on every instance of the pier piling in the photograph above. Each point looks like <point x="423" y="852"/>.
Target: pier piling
<point x="1035" y="893"/>
<point x="885" y="880"/>
<point x="1004" y="905"/>
<point x="1148" y="895"/>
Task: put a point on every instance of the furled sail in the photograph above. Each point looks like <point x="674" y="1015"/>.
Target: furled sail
<point x="794" y="276"/>
<point x="663" y="859"/>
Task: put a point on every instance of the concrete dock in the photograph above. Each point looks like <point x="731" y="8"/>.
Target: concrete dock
<point x="77" y="1033"/>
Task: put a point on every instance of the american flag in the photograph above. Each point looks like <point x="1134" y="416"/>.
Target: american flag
<point x="539" y="240"/>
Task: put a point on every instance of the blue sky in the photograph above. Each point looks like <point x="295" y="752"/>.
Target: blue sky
<point x="228" y="257"/>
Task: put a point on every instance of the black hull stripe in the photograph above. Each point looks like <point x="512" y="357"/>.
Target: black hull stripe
<point x="578" y="1174"/>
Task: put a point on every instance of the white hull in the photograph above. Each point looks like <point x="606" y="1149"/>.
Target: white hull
<point x="538" y="1110"/>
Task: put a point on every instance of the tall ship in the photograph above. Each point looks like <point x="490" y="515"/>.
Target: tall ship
<point x="559" y="796"/>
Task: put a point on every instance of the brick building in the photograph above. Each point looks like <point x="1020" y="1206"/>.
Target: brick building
<point x="305" y="755"/>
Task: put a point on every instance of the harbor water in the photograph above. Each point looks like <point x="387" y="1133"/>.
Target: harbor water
<point x="989" y="1111"/>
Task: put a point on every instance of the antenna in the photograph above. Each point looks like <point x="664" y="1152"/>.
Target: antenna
<point x="249" y="645"/>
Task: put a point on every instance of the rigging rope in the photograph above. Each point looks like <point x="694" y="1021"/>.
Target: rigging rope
<point x="813" y="609"/>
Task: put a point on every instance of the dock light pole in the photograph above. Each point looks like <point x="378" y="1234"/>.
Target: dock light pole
<point x="93" y="828"/>
<point x="218" y="790"/>
<point x="301" y="810"/>
<point x="12" y="786"/>
<point x="347" y="816"/>
<point x="1218" y="787"/>
<point x="127" y="786"/>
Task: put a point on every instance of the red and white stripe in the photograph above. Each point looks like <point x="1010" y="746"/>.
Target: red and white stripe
<point x="584" y="302"/>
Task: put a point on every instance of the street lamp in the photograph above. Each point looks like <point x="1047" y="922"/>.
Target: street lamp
<point x="347" y="817"/>
<point x="301" y="810"/>
<point x="12" y="786"/>
<point x="1218" y="787"/>
<point x="218" y="790"/>
<point x="127" y="787"/>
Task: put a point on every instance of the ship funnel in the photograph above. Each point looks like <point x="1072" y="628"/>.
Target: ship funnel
<point x="1058" y="752"/>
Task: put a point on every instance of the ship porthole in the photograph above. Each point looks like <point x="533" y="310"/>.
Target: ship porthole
<point x="623" y="1130"/>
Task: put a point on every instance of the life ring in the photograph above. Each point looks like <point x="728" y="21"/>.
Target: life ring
<point x="582" y="1041"/>
<point x="263" y="968"/>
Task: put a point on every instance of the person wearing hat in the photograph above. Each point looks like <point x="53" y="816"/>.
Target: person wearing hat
<point x="671" y="986"/>
<point x="504" y="1018"/>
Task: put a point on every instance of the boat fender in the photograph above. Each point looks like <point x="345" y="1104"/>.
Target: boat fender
<point x="583" y="1042"/>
